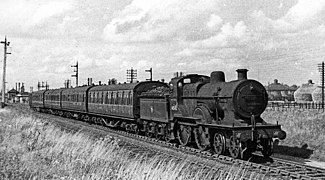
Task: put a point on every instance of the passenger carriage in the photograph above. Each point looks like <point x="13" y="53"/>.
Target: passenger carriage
<point x="37" y="100"/>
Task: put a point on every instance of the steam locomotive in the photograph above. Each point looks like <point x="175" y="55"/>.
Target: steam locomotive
<point x="192" y="109"/>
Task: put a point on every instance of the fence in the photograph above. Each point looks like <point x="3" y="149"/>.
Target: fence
<point x="294" y="105"/>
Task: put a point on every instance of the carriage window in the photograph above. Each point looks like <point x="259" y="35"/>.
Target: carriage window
<point x="117" y="98"/>
<point x="122" y="98"/>
<point x="131" y="98"/>
<point x="106" y="98"/>
<point x="112" y="98"/>
<point x="126" y="98"/>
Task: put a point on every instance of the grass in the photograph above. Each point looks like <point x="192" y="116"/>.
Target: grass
<point x="305" y="130"/>
<point x="32" y="148"/>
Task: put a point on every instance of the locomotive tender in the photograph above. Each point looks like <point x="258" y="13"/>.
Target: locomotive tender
<point x="206" y="111"/>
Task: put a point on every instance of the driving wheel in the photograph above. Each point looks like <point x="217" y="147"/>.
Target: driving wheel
<point x="219" y="143"/>
<point x="201" y="138"/>
<point x="183" y="134"/>
<point x="235" y="148"/>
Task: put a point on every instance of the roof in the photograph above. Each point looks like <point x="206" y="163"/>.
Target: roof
<point x="39" y="92"/>
<point x="13" y="91"/>
<point x="280" y="87"/>
<point x="24" y="94"/>
<point x="76" y="89"/>
<point x="140" y="86"/>
<point x="180" y="78"/>
<point x="115" y="87"/>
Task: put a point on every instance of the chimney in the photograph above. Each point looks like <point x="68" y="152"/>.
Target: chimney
<point x="90" y="81"/>
<point x="217" y="76"/>
<point x="18" y="87"/>
<point x="176" y="74"/>
<point x="310" y="81"/>
<point x="22" y="87"/>
<point x="100" y="83"/>
<point x="242" y="74"/>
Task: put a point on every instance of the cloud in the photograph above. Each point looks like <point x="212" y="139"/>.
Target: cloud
<point x="305" y="12"/>
<point x="208" y="65"/>
<point x="264" y="24"/>
<point x="214" y="21"/>
<point x="192" y="52"/>
<point x="62" y="69"/>
<point x="46" y="10"/>
<point x="229" y="36"/>
<point x="304" y="15"/>
<point x="21" y="15"/>
<point x="162" y="20"/>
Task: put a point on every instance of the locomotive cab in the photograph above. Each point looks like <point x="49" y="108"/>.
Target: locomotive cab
<point x="183" y="89"/>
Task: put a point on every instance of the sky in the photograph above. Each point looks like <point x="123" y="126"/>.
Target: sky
<point x="278" y="39"/>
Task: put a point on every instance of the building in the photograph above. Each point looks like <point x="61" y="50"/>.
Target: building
<point x="12" y="94"/>
<point x="22" y="97"/>
<point x="304" y="92"/>
<point x="17" y="95"/>
<point x="280" y="92"/>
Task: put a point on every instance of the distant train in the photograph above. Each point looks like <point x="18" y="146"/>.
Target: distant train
<point x="191" y="109"/>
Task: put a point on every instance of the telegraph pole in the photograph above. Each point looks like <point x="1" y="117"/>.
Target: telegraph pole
<point x="150" y="71"/>
<point x="321" y="68"/>
<point x="76" y="71"/>
<point x="131" y="74"/>
<point x="6" y="43"/>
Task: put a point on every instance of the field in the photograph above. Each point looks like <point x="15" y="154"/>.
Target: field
<point x="31" y="148"/>
<point x="305" y="130"/>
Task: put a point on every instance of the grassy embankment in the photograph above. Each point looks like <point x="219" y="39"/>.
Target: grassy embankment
<point x="31" y="148"/>
<point x="305" y="130"/>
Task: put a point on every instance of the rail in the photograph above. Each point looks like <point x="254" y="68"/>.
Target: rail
<point x="294" y="105"/>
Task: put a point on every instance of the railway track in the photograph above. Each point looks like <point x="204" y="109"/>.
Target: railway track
<point x="273" y="167"/>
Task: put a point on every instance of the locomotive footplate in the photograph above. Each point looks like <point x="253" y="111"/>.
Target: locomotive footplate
<point x="189" y="121"/>
<point x="245" y="132"/>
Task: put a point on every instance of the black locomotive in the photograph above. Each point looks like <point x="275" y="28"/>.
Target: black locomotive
<point x="192" y="109"/>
